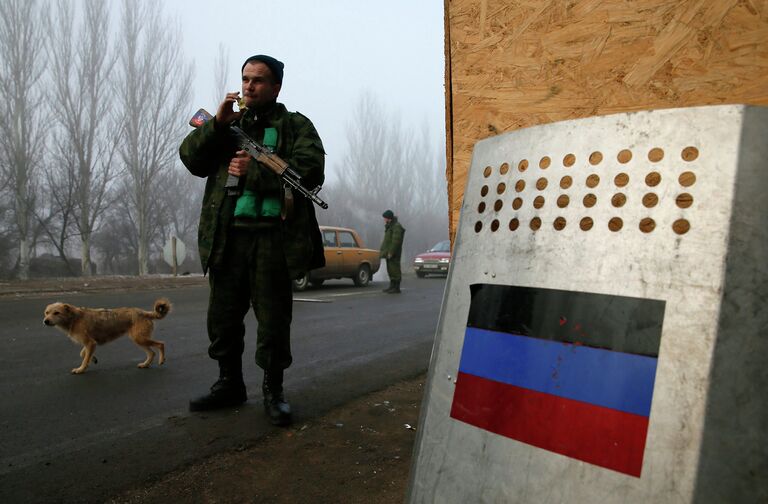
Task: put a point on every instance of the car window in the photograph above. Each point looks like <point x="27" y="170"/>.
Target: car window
<point x="346" y="239"/>
<point x="443" y="246"/>
<point x="329" y="238"/>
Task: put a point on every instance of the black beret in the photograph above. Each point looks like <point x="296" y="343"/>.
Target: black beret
<point x="388" y="214"/>
<point x="274" y="65"/>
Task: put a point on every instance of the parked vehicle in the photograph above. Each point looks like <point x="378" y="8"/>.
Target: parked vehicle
<point x="345" y="257"/>
<point x="435" y="261"/>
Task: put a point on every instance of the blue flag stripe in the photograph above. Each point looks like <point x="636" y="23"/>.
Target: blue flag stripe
<point x="616" y="380"/>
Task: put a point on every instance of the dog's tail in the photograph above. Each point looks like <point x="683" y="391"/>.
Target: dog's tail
<point x="161" y="309"/>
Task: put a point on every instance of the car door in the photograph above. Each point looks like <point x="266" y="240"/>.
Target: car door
<point x="333" y="255"/>
<point x="351" y="253"/>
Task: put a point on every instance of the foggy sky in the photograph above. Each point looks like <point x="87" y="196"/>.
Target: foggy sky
<point x="333" y="51"/>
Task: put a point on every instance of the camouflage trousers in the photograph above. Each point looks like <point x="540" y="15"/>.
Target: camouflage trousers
<point x="252" y="273"/>
<point x="393" y="269"/>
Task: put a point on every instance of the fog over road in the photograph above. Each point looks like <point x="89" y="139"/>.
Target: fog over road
<point x="79" y="438"/>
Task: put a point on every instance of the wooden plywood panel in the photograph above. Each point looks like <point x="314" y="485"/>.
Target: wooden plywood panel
<point x="513" y="64"/>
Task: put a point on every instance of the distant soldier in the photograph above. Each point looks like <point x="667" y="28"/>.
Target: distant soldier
<point x="391" y="249"/>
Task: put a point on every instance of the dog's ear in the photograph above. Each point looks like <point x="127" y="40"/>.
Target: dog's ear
<point x="67" y="308"/>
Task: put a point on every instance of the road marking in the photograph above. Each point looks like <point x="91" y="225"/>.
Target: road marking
<point x="344" y="294"/>
<point x="325" y="297"/>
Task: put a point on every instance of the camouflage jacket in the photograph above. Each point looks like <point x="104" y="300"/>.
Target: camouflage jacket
<point x="392" y="244"/>
<point x="207" y="151"/>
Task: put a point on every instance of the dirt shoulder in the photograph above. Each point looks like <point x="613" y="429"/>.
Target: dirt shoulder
<point x="47" y="286"/>
<point x="358" y="453"/>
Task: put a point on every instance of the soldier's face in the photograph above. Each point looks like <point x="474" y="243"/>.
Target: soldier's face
<point x="259" y="88"/>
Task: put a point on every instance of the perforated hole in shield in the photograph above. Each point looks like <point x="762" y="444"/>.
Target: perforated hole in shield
<point x="624" y="190"/>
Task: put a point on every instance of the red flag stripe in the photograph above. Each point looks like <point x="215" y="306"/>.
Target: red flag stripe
<point x="601" y="436"/>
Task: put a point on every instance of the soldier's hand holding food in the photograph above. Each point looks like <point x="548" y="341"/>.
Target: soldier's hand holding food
<point x="226" y="114"/>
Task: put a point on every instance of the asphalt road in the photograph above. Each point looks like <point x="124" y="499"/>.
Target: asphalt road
<point x="80" y="438"/>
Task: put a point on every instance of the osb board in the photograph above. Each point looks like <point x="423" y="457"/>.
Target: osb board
<point x="513" y="64"/>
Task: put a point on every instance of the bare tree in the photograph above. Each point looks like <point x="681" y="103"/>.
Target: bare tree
<point x="154" y="96"/>
<point x="388" y="166"/>
<point x="183" y="210"/>
<point x="116" y="238"/>
<point x="7" y="236"/>
<point x="82" y="107"/>
<point x="55" y="213"/>
<point x="366" y="176"/>
<point x="21" y="133"/>
<point x="426" y="202"/>
<point x="220" y="72"/>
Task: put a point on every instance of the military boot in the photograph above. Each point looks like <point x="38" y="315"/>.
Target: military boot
<point x="275" y="405"/>
<point x="228" y="391"/>
<point x="395" y="287"/>
<point x="389" y="289"/>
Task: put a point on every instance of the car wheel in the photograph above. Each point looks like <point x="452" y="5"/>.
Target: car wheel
<point x="363" y="276"/>
<point x="301" y="284"/>
<point x="420" y="274"/>
<point x="317" y="282"/>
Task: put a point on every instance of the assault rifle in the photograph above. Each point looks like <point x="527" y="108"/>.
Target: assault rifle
<point x="265" y="156"/>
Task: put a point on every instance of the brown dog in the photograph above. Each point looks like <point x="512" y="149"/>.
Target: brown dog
<point x="91" y="327"/>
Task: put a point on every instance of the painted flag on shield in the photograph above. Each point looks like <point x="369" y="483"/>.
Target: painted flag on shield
<point x="568" y="372"/>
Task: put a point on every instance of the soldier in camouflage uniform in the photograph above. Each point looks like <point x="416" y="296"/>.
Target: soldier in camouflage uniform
<point x="391" y="250"/>
<point x="249" y="248"/>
